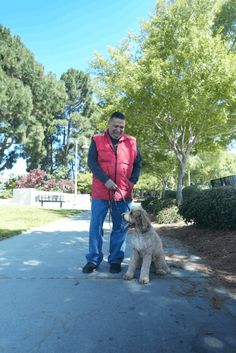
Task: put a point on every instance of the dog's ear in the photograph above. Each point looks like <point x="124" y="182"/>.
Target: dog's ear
<point x="144" y="223"/>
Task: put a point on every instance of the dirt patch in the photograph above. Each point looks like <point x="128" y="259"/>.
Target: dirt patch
<point x="216" y="248"/>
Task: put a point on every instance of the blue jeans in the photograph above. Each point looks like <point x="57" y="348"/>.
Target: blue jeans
<point x="99" y="210"/>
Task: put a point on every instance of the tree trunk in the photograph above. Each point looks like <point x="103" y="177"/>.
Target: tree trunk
<point x="189" y="177"/>
<point x="164" y="187"/>
<point x="182" y="158"/>
<point x="179" y="196"/>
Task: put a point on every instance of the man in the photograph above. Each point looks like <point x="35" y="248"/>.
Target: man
<point x="115" y="162"/>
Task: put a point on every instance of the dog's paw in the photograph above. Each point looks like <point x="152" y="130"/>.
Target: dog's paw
<point x="128" y="277"/>
<point x="144" y="280"/>
<point x="163" y="272"/>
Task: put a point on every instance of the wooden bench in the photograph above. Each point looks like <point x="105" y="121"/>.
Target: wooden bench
<point x="50" y="198"/>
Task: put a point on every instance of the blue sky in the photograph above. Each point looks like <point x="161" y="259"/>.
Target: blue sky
<point x="65" y="33"/>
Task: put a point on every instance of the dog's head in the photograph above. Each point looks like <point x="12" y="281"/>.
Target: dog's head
<point x="138" y="218"/>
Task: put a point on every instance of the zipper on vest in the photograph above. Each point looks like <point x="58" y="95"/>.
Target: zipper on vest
<point x="115" y="151"/>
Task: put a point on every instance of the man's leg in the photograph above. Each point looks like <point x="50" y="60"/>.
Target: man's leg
<point x="118" y="234"/>
<point x="99" y="210"/>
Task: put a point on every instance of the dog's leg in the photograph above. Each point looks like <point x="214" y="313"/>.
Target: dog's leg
<point x="160" y="264"/>
<point x="145" y="269"/>
<point x="134" y="258"/>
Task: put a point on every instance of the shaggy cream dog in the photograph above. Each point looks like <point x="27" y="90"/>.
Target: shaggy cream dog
<point x="146" y="246"/>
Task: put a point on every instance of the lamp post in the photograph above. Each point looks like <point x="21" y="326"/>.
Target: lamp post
<point x="76" y="167"/>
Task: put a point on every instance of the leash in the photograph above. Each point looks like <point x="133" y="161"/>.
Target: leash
<point x="112" y="199"/>
<point x="123" y="198"/>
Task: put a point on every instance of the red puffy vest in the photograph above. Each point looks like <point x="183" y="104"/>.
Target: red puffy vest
<point x="117" y="166"/>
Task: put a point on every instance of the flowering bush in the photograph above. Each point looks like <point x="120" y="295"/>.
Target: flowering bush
<point x="49" y="185"/>
<point x="39" y="179"/>
<point x="67" y="185"/>
<point x="32" y="180"/>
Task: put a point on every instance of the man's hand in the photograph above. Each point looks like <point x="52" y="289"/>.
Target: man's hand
<point x="110" y="185"/>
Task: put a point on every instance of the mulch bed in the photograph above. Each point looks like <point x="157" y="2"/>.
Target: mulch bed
<point x="216" y="247"/>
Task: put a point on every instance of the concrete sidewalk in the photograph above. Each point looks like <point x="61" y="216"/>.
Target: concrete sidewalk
<point x="49" y="306"/>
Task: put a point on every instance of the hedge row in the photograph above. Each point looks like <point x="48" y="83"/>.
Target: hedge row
<point x="162" y="210"/>
<point x="213" y="208"/>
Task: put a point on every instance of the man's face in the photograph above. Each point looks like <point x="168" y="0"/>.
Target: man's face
<point x="116" y="127"/>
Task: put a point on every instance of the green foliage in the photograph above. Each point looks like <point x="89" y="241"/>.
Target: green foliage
<point x="29" y="101"/>
<point x="177" y="84"/>
<point x="213" y="208"/>
<point x="77" y="123"/>
<point x="169" y="215"/>
<point x="155" y="205"/>
<point x="49" y="99"/>
<point x="6" y="194"/>
<point x="8" y="188"/>
<point x="61" y="173"/>
<point x="147" y="183"/>
<point x="169" y="194"/>
<point x="16" y="106"/>
<point x="79" y="90"/>
<point x="148" y="203"/>
<point x="11" y="184"/>
<point x="212" y="165"/>
<point x="39" y="112"/>
<point x="190" y="191"/>
<point x="163" y="210"/>
<point x="225" y="22"/>
<point x="84" y="183"/>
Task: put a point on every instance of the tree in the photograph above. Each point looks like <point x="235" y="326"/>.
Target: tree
<point x="29" y="102"/>
<point x="15" y="98"/>
<point x="15" y="109"/>
<point x="213" y="165"/>
<point x="178" y="86"/>
<point x="75" y="126"/>
<point x="49" y="101"/>
<point x="225" y="22"/>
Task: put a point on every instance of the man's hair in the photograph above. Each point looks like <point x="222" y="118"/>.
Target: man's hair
<point x="117" y="115"/>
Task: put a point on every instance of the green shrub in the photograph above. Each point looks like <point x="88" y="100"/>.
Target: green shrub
<point x="169" y="194"/>
<point x="147" y="184"/>
<point x="147" y="203"/>
<point x="7" y="191"/>
<point x="6" y="194"/>
<point x="213" y="208"/>
<point x="169" y="215"/>
<point x="61" y="173"/>
<point x="192" y="190"/>
<point x="84" y="183"/>
<point x="154" y="205"/>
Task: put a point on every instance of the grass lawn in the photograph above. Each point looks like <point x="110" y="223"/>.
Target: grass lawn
<point x="17" y="219"/>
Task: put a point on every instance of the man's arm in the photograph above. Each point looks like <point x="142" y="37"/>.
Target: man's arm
<point x="93" y="163"/>
<point x="136" y="168"/>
